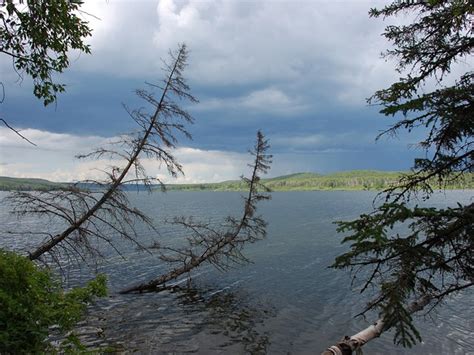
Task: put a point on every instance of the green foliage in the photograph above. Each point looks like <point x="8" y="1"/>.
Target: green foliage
<point x="409" y="252"/>
<point x="38" y="36"/>
<point x="31" y="301"/>
<point x="440" y="37"/>
<point x="23" y="184"/>
<point x="413" y="251"/>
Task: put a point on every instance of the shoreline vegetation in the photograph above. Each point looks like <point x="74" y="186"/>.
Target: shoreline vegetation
<point x="355" y="180"/>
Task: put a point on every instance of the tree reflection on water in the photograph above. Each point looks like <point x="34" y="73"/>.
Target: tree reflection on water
<point x="231" y="315"/>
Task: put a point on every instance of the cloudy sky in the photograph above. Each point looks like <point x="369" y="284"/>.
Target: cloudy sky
<point x="298" y="70"/>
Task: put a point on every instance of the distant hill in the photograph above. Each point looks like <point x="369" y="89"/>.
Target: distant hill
<point x="31" y="184"/>
<point x="345" y="180"/>
<point x="24" y="184"/>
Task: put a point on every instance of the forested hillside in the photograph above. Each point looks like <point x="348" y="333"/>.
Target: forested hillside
<point x="26" y="184"/>
<point x="349" y="180"/>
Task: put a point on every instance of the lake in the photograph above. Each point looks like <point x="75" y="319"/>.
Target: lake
<point x="286" y="301"/>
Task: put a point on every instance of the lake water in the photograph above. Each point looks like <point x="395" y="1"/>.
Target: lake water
<point x="286" y="301"/>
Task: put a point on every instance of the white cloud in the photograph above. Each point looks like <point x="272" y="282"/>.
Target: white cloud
<point x="295" y="42"/>
<point x="48" y="140"/>
<point x="53" y="159"/>
<point x="210" y="165"/>
<point x="282" y="58"/>
<point x="272" y="100"/>
<point x="122" y="38"/>
<point x="289" y="45"/>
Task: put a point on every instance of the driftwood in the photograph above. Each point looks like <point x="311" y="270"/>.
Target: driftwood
<point x="353" y="343"/>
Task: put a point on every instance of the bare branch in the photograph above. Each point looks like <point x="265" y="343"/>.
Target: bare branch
<point x="17" y="132"/>
<point x="220" y="248"/>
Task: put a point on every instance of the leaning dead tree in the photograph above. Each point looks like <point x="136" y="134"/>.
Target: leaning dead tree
<point x="103" y="213"/>
<point x="88" y="218"/>
<point x="219" y="247"/>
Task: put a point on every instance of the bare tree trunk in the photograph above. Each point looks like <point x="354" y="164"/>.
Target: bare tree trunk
<point x="355" y="342"/>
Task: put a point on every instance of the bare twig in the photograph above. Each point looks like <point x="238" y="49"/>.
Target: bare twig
<point x="17" y="132"/>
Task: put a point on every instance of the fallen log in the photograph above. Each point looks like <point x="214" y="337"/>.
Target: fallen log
<point x="353" y="343"/>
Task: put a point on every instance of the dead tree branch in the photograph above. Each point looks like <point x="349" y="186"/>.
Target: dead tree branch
<point x="17" y="132"/>
<point x="104" y="214"/>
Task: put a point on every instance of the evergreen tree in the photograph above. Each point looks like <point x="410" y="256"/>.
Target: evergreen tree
<point x="410" y="253"/>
